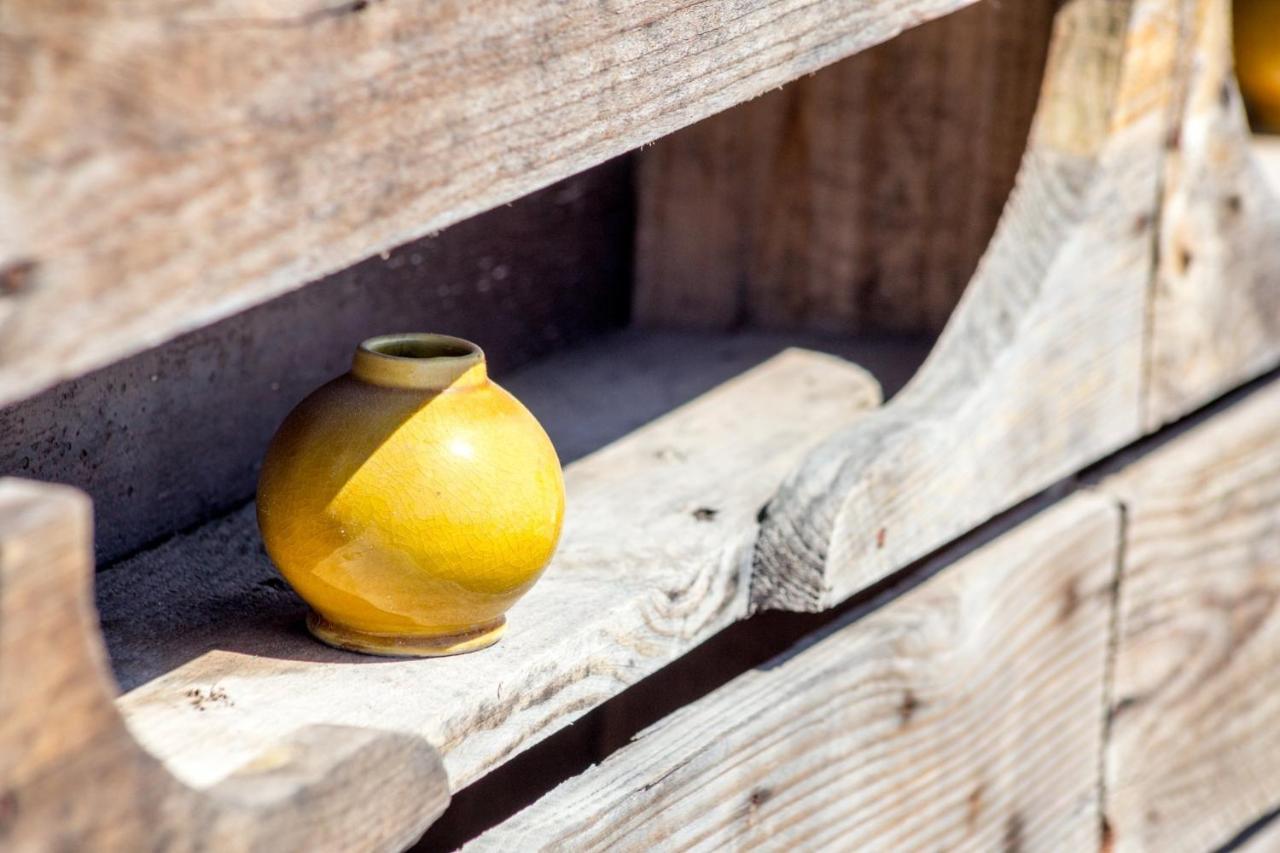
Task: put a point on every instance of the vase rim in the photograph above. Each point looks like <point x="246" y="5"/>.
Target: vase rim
<point x="419" y="360"/>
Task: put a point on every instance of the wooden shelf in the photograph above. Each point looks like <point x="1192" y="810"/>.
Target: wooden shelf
<point x="1132" y="280"/>
<point x="171" y="165"/>
<point x="209" y="644"/>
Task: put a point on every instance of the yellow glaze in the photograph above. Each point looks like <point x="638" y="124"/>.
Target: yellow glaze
<point x="412" y="501"/>
<point x="1257" y="49"/>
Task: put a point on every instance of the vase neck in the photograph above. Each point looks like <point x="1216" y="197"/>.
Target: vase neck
<point x="422" y="362"/>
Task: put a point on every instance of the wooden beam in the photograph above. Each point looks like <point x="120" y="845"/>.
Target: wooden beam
<point x="1194" y="750"/>
<point x="1215" y="310"/>
<point x="167" y="165"/>
<point x="653" y="560"/>
<point x="1040" y="370"/>
<point x="965" y="715"/>
<point x="858" y="199"/>
<point x="74" y="778"/>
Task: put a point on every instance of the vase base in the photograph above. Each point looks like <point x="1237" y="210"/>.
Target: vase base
<point x="405" y="645"/>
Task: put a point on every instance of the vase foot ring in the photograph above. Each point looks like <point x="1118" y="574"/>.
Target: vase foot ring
<point x="405" y="645"/>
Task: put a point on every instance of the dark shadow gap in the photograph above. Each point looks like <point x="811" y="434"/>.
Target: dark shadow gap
<point x="1264" y="821"/>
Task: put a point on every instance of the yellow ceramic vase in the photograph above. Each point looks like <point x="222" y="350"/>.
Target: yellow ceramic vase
<point x="412" y="501"/>
<point x="1257" y="49"/>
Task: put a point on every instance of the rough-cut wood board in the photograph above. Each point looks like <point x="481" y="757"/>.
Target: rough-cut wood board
<point x="653" y="559"/>
<point x="859" y="198"/>
<point x="73" y="778"/>
<point x="966" y="715"/>
<point x="1215" y="313"/>
<point x="167" y="164"/>
<point x="1039" y="371"/>
<point x="1194" y="753"/>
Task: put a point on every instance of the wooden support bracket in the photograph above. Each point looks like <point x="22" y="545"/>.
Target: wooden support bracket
<point x="1114" y="270"/>
<point x="74" y="778"/>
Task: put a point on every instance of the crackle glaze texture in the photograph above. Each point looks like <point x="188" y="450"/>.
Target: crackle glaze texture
<point x="411" y="501"/>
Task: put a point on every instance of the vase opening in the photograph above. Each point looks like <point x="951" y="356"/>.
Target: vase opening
<point x="420" y="361"/>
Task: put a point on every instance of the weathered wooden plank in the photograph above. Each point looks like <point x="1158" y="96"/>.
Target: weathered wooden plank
<point x="966" y="715"/>
<point x="75" y="779"/>
<point x="653" y="560"/>
<point x="168" y="164"/>
<point x="858" y="199"/>
<point x="1215" y="312"/>
<point x="1040" y="369"/>
<point x="1194" y="752"/>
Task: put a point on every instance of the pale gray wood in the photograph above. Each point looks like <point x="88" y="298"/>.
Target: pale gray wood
<point x="655" y="558"/>
<point x="165" y="164"/>
<point x="1215" y="312"/>
<point x="966" y="715"/>
<point x="75" y="778"/>
<point x="1040" y="370"/>
<point x="857" y="199"/>
<point x="1194" y="752"/>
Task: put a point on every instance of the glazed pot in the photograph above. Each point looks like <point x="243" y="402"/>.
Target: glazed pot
<point x="1257" y="52"/>
<point x="411" y="501"/>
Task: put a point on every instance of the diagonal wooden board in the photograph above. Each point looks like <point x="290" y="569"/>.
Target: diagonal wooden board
<point x="965" y="715"/>
<point x="1194" y="752"/>
<point x="164" y="165"/>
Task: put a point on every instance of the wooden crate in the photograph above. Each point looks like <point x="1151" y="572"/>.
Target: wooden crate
<point x="1030" y="599"/>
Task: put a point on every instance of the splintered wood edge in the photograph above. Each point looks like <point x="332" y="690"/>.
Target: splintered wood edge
<point x="1053" y="356"/>
<point x="881" y="730"/>
<point x="73" y="771"/>
<point x="247" y="160"/>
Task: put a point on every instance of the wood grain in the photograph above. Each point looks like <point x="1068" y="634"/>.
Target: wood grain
<point x="1040" y="370"/>
<point x="966" y="715"/>
<point x="653" y="559"/>
<point x="168" y="164"/>
<point x="857" y="199"/>
<point x="75" y="779"/>
<point x="1194" y="753"/>
<point x="1215" y="312"/>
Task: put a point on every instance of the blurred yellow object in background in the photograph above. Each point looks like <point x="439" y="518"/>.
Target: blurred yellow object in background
<point x="1257" y="50"/>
